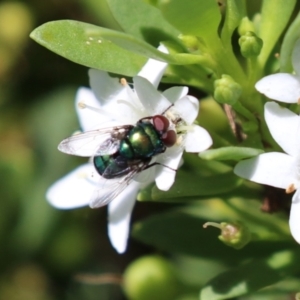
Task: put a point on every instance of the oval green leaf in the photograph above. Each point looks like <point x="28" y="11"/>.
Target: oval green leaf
<point x="82" y="43"/>
<point x="104" y="49"/>
<point x="274" y="18"/>
<point x="235" y="11"/>
<point x="200" y="18"/>
<point x="230" y="153"/>
<point x="179" y="232"/>
<point x="143" y="21"/>
<point x="252" y="276"/>
<point x="189" y="185"/>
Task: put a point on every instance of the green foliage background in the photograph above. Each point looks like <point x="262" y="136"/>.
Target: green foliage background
<point x="50" y="254"/>
<point x="44" y="249"/>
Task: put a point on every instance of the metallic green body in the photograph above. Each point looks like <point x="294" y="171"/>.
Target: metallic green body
<point x="135" y="152"/>
<point x="142" y="141"/>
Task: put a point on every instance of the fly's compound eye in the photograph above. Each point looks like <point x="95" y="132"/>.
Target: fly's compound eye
<point x="169" y="138"/>
<point x="161" y="124"/>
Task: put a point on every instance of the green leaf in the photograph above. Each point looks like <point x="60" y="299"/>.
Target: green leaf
<point x="230" y="153"/>
<point x="242" y="205"/>
<point x="191" y="75"/>
<point x="181" y="232"/>
<point x="193" y="185"/>
<point x="140" y="47"/>
<point x="100" y="11"/>
<point x="252" y="276"/>
<point x="288" y="44"/>
<point x="274" y="19"/>
<point x="82" y="43"/>
<point x="103" y="48"/>
<point x="143" y="21"/>
<point x="235" y="11"/>
<point x="200" y="18"/>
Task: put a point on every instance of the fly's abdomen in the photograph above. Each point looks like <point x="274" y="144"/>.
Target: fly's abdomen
<point x="111" y="166"/>
<point x="142" y="141"/>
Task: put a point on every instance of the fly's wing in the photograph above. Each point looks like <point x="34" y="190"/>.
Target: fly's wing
<point x="95" y="142"/>
<point x="110" y="189"/>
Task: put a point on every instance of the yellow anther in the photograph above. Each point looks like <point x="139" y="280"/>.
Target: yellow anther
<point x="290" y="189"/>
<point x="81" y="105"/>
<point x="123" y="81"/>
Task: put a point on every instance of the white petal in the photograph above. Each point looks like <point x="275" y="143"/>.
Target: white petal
<point x="284" y="126"/>
<point x="296" y="57"/>
<point x="197" y="140"/>
<point x="274" y="169"/>
<point x="166" y="175"/>
<point x="188" y="108"/>
<point x="119" y="213"/>
<point x="89" y="118"/>
<point x="282" y="87"/>
<point x="154" y="102"/>
<point x="106" y="88"/>
<point x="153" y="70"/>
<point x="125" y="112"/>
<point x="176" y="92"/>
<point x="146" y="177"/>
<point x="295" y="217"/>
<point x="73" y="190"/>
<point x="119" y="102"/>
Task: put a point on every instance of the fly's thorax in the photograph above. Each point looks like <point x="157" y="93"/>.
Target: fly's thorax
<point x="142" y="141"/>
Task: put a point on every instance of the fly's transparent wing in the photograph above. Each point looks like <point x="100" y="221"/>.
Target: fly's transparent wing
<point x="110" y="189"/>
<point x="95" y="142"/>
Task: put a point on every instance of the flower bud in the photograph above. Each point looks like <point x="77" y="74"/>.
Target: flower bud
<point x="245" y="26"/>
<point x="250" y="44"/>
<point x="151" y="277"/>
<point x="190" y="41"/>
<point x="227" y="90"/>
<point x="234" y="235"/>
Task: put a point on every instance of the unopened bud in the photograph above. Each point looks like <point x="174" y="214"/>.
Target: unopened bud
<point x="190" y="41"/>
<point x="245" y="26"/>
<point x="250" y="44"/>
<point x="227" y="90"/>
<point x="234" y="235"/>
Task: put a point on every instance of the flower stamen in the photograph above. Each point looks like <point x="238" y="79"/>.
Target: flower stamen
<point x="83" y="105"/>
<point x="290" y="189"/>
<point x="134" y="108"/>
<point x="184" y="128"/>
<point x="123" y="81"/>
<point x="179" y="140"/>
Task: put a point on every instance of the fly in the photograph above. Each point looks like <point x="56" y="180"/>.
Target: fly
<point x="121" y="152"/>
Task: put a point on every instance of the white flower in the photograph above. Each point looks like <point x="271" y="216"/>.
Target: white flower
<point x="277" y="169"/>
<point x="283" y="87"/>
<point x="111" y="102"/>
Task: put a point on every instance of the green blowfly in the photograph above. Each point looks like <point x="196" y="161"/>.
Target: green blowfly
<point x="121" y="152"/>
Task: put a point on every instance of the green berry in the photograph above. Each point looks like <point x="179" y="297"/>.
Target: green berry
<point x="151" y="277"/>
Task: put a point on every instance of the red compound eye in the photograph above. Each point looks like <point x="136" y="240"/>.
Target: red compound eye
<point x="169" y="138"/>
<point x="161" y="123"/>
